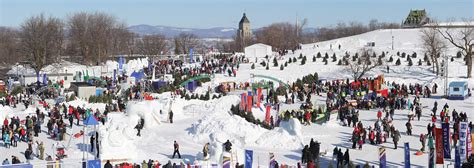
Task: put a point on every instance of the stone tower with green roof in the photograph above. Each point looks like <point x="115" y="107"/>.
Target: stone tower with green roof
<point x="415" y="19"/>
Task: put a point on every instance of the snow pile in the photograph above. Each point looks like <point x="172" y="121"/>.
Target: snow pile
<point x="221" y="125"/>
<point x="5" y="112"/>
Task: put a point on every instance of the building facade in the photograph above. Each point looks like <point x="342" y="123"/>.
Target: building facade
<point x="416" y="19"/>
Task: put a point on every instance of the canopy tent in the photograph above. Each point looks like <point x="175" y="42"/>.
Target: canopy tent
<point x="90" y="121"/>
<point x="257" y="51"/>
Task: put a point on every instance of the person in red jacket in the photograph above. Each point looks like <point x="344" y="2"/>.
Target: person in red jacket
<point x="5" y="122"/>
<point x="308" y="118"/>
<point x="310" y="164"/>
<point x="433" y="118"/>
<point x="379" y="115"/>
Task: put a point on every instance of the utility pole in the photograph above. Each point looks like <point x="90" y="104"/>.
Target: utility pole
<point x="446" y="76"/>
<point x="391" y="33"/>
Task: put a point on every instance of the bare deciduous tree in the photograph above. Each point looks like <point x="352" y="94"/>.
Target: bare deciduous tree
<point x="96" y="36"/>
<point x="152" y="45"/>
<point x="363" y="64"/>
<point x="9" y="45"/>
<point x="433" y="45"/>
<point x="461" y="38"/>
<point x="185" y="41"/>
<point x="41" y="40"/>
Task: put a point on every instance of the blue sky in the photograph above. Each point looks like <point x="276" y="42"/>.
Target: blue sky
<point x="226" y="13"/>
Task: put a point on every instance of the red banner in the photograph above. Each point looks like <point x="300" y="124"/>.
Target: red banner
<point x="242" y="101"/>
<point x="249" y="103"/>
<point x="267" y="114"/>
<point x="259" y="96"/>
<point x="439" y="146"/>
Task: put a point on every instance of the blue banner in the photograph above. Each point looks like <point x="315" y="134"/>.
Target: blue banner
<point x="93" y="164"/>
<point x="248" y="158"/>
<point x="382" y="158"/>
<point x="191" y="55"/>
<point x="45" y="79"/>
<point x="457" y="158"/>
<point x="446" y="144"/>
<point x="121" y="62"/>
<point x="115" y="77"/>
<point x="407" y="155"/>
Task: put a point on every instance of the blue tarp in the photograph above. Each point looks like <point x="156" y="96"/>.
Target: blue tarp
<point x="91" y="121"/>
<point x="138" y="75"/>
<point x="93" y="164"/>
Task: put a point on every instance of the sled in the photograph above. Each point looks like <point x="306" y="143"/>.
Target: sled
<point x="78" y="135"/>
<point x="419" y="153"/>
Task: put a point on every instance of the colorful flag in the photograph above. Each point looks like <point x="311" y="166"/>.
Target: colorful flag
<point x="382" y="158"/>
<point x="446" y="143"/>
<point x="439" y="146"/>
<point x="225" y="161"/>
<point x="431" y="158"/>
<point x="457" y="158"/>
<point x="468" y="143"/>
<point x="407" y="155"/>
<point x="248" y="158"/>
<point x="267" y="114"/>
<point x="259" y="96"/>
<point x="272" y="160"/>
<point x="463" y="140"/>
<point x="249" y="103"/>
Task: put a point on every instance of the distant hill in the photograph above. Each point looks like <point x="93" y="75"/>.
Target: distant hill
<point x="169" y="31"/>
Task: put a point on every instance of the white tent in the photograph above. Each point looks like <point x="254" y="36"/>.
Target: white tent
<point x="257" y="51"/>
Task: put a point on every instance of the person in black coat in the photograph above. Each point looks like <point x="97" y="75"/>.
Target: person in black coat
<point x="108" y="165"/>
<point x="346" y="157"/>
<point x="92" y="141"/>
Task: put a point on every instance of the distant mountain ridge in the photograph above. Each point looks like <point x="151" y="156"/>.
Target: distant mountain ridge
<point x="170" y="31"/>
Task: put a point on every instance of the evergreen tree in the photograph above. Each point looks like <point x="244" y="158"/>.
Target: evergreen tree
<point x="379" y="61"/>
<point x="326" y="55"/>
<point x="318" y="55"/>
<point x="425" y="58"/>
<point x="339" y="62"/>
<point x="419" y="62"/>
<point x="414" y="55"/>
<point x="410" y="63"/>
<point x="267" y="68"/>
<point x="428" y="63"/>
<point x="314" y="58"/>
<point x="452" y="59"/>
<point x="374" y="55"/>
<point x="303" y="61"/>
<point x="398" y="53"/>
<point x="275" y="62"/>
<point x="263" y="63"/>
<point x="253" y="66"/>
<point x="294" y="59"/>
<point x="404" y="54"/>
<point x="398" y="62"/>
<point x="286" y="64"/>
<point x="301" y="56"/>
<point x="390" y="59"/>
<point x="289" y="60"/>
<point x="334" y="59"/>
<point x="282" y="67"/>
<point x="383" y="54"/>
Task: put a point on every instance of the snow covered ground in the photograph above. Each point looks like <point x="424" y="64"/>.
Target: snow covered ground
<point x="197" y="122"/>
